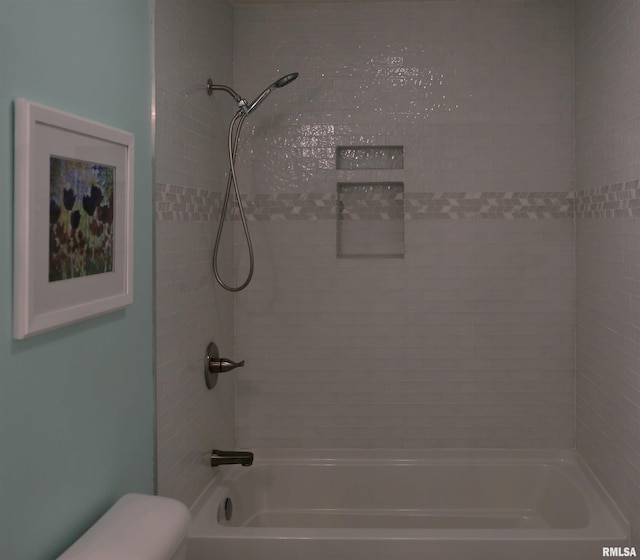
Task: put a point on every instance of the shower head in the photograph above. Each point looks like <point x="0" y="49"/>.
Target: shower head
<point x="285" y="80"/>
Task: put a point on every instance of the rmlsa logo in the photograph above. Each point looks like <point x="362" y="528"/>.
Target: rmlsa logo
<point x="619" y="551"/>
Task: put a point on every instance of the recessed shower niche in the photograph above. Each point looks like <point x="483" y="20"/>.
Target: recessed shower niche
<point x="370" y="219"/>
<point x="370" y="157"/>
<point x="370" y="215"/>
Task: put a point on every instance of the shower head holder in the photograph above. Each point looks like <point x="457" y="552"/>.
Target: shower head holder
<point x="241" y="101"/>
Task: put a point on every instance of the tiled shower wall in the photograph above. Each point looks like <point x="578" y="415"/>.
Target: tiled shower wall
<point x="468" y="339"/>
<point x="608" y="246"/>
<point x="193" y="41"/>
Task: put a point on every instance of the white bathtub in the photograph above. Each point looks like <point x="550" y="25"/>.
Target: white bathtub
<point x="426" y="505"/>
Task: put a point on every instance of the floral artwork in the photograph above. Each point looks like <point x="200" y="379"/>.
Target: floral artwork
<point x="80" y="218"/>
<point x="78" y="263"/>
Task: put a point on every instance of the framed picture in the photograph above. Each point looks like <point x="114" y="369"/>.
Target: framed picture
<point x="73" y="219"/>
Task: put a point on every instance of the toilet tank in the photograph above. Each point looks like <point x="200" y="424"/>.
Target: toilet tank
<point x="137" y="527"/>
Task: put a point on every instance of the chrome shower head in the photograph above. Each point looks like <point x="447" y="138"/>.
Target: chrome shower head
<point x="285" y="80"/>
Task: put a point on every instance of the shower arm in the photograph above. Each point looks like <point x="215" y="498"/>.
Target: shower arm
<point x="242" y="103"/>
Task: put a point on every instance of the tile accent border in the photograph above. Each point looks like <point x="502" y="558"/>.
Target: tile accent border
<point x="618" y="200"/>
<point x="174" y="202"/>
<point x="417" y="206"/>
<point x="178" y="203"/>
<point x="370" y="201"/>
<point x="489" y="205"/>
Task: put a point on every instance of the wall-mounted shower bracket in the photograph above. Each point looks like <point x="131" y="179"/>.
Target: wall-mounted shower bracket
<point x="241" y="101"/>
<point x="214" y="364"/>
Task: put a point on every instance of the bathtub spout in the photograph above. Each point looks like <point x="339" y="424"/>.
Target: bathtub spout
<point x="244" y="458"/>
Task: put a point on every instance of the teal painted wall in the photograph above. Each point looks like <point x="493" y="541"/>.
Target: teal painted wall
<point x="76" y="404"/>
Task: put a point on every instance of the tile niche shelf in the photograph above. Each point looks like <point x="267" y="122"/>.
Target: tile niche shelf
<point x="370" y="215"/>
<point x="369" y="157"/>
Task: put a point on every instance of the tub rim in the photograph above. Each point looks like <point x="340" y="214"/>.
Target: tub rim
<point x="605" y="517"/>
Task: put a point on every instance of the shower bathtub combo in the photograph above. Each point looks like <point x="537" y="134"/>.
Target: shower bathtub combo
<point x="409" y="504"/>
<point x="431" y="504"/>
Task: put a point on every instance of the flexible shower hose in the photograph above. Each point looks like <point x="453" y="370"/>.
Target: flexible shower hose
<point x="232" y="145"/>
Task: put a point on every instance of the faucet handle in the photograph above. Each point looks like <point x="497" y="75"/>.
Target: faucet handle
<point x="223" y="364"/>
<point x="214" y="364"/>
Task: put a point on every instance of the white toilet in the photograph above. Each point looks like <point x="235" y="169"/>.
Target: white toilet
<point x="137" y="527"/>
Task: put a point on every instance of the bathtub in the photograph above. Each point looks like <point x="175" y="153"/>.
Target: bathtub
<point x="423" y="505"/>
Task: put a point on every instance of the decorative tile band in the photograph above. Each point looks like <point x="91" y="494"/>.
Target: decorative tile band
<point x="415" y="206"/>
<point x="290" y="206"/>
<point x="618" y="200"/>
<point x="186" y="203"/>
<point x="370" y="201"/>
<point x="489" y="205"/>
<point x="178" y="203"/>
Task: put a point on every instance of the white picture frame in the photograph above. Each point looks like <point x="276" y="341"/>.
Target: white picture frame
<point x="73" y="218"/>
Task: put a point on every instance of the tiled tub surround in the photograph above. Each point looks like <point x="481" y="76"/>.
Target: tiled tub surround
<point x="189" y="314"/>
<point x="193" y="40"/>
<point x="608" y="362"/>
<point x="607" y="334"/>
<point x="467" y="341"/>
<point x="480" y="95"/>
<point x="464" y="342"/>
<point x="608" y="247"/>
